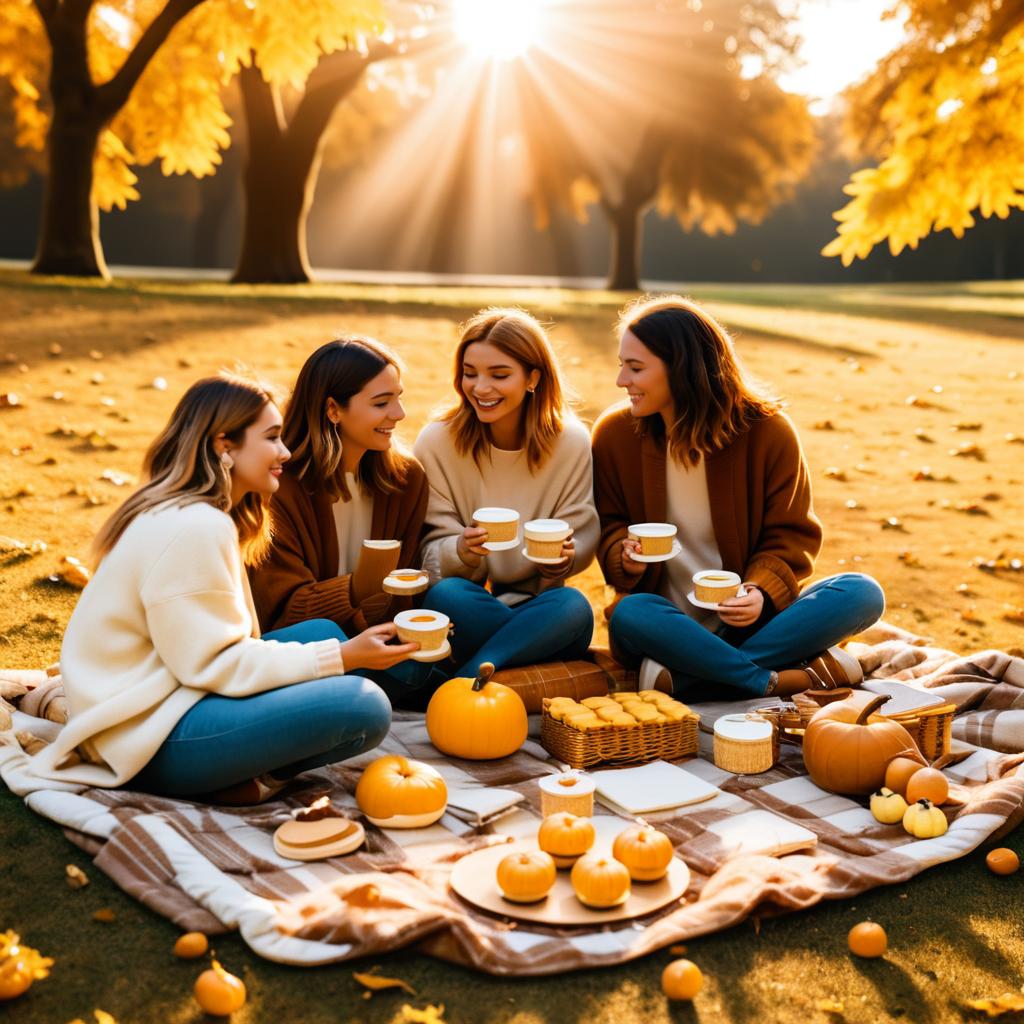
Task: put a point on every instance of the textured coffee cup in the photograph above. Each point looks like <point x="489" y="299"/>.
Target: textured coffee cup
<point x="421" y="626"/>
<point x="715" y="585"/>
<point x="654" y="538"/>
<point x="545" y="537"/>
<point x="406" y="581"/>
<point x="501" y="524"/>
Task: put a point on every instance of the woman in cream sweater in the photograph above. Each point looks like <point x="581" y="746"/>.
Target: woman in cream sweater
<point x="700" y="447"/>
<point x="170" y="687"/>
<point x="508" y="441"/>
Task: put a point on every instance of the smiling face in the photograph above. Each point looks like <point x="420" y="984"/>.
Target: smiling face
<point x="495" y="384"/>
<point x="259" y="458"/>
<point x="645" y="378"/>
<point x="367" y="422"/>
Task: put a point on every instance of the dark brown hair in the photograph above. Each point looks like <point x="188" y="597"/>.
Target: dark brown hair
<point x="338" y="370"/>
<point x="714" y="401"/>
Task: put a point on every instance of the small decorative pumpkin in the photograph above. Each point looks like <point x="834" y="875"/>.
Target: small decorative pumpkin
<point x="476" y="719"/>
<point x="600" y="881"/>
<point x="1002" y="861"/>
<point x="219" y="993"/>
<point x="847" y="748"/>
<point x="396" y="792"/>
<point x="19" y="966"/>
<point x="566" y="837"/>
<point x="681" y="979"/>
<point x="888" y="807"/>
<point x="900" y="771"/>
<point x="867" y="939"/>
<point x="191" y="945"/>
<point x="527" y="876"/>
<point x="928" y="784"/>
<point x="645" y="851"/>
<point x="923" y="821"/>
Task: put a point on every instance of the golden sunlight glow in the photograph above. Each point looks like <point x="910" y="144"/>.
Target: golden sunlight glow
<point x="502" y="29"/>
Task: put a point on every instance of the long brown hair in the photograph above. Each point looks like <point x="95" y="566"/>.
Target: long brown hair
<point x="521" y="337"/>
<point x="182" y="466"/>
<point x="714" y="401"/>
<point x="338" y="370"/>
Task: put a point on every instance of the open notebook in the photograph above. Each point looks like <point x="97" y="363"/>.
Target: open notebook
<point x="651" y="787"/>
<point x="761" y="832"/>
<point x="903" y="699"/>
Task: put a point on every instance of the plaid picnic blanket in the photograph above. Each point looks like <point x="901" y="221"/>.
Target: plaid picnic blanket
<point x="213" y="870"/>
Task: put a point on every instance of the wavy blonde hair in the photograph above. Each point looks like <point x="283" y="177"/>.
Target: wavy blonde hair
<point x="714" y="401"/>
<point x="339" y="370"/>
<point x="521" y="337"/>
<point x="182" y="466"/>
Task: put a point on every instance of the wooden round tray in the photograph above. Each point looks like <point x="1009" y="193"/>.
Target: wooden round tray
<point x="473" y="878"/>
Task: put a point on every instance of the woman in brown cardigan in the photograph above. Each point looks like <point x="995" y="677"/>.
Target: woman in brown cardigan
<point x="701" y="448"/>
<point x="346" y="482"/>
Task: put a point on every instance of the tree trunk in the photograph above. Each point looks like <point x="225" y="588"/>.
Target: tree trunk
<point x="625" y="221"/>
<point x="69" y="240"/>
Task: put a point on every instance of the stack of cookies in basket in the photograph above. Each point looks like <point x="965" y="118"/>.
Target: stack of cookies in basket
<point x="622" y="709"/>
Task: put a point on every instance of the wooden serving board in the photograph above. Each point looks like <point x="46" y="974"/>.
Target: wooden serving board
<point x="474" y="879"/>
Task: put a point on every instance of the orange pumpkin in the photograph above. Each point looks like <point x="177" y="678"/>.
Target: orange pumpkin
<point x="645" y="851"/>
<point x="928" y="784"/>
<point x="899" y="773"/>
<point x="1002" y="861"/>
<point x="19" y="966"/>
<point x="191" y="945"/>
<point x="867" y="939"/>
<point x="681" y="979"/>
<point x="600" y="881"/>
<point x="218" y="992"/>
<point x="527" y="876"/>
<point x="476" y="719"/>
<point x="566" y="837"/>
<point x="847" y="748"/>
<point x="395" y="792"/>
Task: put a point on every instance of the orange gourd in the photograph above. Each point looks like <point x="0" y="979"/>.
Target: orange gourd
<point x="928" y="784"/>
<point x="396" y="792"/>
<point x="888" y="807"/>
<point x="600" y="881"/>
<point x="19" y="966"/>
<point x="1002" y="861"/>
<point x="867" y="939"/>
<point x="191" y="945"/>
<point x="847" y="749"/>
<point x="475" y="718"/>
<point x="681" y="979"/>
<point x="527" y="876"/>
<point x="645" y="851"/>
<point x="899" y="773"/>
<point x="566" y="837"/>
<point x="218" y="992"/>
<point x="923" y="821"/>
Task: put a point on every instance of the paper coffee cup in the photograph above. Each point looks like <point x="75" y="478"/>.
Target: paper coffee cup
<point x="545" y="537"/>
<point x="655" y="538"/>
<point x="715" y="585"/>
<point x="382" y="545"/>
<point x="422" y="626"/>
<point x="501" y="524"/>
<point x="406" y="581"/>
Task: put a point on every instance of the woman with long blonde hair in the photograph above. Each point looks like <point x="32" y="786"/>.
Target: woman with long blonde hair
<point x="170" y="687"/>
<point x="508" y="440"/>
<point x="703" y="448"/>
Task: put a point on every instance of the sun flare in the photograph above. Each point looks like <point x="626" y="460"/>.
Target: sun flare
<point x="498" y="29"/>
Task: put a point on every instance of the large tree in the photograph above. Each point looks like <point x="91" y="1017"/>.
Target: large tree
<point x="129" y="82"/>
<point x="942" y="113"/>
<point x="667" y="104"/>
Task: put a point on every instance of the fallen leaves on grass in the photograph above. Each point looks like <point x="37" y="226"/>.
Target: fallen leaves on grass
<point x="1001" y="561"/>
<point x="893" y="523"/>
<point x="835" y="473"/>
<point x="824" y="425"/>
<point x="428" y="1015"/>
<point x="72" y="572"/>
<point x="116" y="478"/>
<point x="1009" y="1002"/>
<point x="968" y="451"/>
<point x="377" y="983"/>
<point x="910" y="560"/>
<point x="75" y="876"/>
<point x="9" y="400"/>
<point x="966" y="425"/>
<point x="923" y="437"/>
<point x="830" y="1006"/>
<point x="102" y="1017"/>
<point x="970" y="508"/>
<point x="926" y="473"/>
<point x="919" y="403"/>
<point x="105" y="916"/>
<point x="1014" y="614"/>
<point x="11" y="545"/>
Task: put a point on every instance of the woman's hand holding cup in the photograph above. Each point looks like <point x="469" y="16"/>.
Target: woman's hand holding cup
<point x="631" y="547"/>
<point x="470" y="545"/>
<point x="566" y="555"/>
<point x="742" y="611"/>
<point x="370" y="649"/>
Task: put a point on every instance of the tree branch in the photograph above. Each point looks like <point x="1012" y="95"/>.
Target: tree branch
<point x="46" y="9"/>
<point x="112" y="95"/>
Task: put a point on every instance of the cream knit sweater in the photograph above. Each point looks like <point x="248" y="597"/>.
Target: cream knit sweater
<point x="562" y="488"/>
<point x="167" y="619"/>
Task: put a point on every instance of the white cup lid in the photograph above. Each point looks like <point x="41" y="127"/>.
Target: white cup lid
<point x="407" y="619"/>
<point x="740" y="727"/>
<point x="653" y="529"/>
<point x="554" y="528"/>
<point x="496" y="515"/>
<point x="716" y="578"/>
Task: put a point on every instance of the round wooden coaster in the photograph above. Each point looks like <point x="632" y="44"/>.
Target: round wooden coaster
<point x="473" y="878"/>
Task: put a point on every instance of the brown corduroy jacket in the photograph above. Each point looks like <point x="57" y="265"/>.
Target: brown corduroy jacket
<point x="760" y="495"/>
<point x="300" y="581"/>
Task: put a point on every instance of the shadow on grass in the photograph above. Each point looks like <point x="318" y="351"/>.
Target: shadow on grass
<point x="897" y="991"/>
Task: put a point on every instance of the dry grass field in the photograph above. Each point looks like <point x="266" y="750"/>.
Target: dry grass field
<point x="908" y="402"/>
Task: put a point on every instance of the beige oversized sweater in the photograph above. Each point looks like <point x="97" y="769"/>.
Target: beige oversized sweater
<point x="562" y="488"/>
<point x="167" y="619"/>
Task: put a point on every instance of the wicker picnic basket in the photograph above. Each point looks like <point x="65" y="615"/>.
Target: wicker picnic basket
<point x="619" y="744"/>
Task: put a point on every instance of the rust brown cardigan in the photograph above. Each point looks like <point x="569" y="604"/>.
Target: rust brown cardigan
<point x="760" y="495"/>
<point x="300" y="581"/>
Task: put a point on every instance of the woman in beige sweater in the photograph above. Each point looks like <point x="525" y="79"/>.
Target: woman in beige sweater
<point x="170" y="687"/>
<point x="508" y="441"/>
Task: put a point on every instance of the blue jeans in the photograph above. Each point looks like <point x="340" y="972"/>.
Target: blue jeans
<point x="556" y="625"/>
<point x="648" y="626"/>
<point x="223" y="740"/>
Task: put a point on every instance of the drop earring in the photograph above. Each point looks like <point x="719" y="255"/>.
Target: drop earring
<point x="226" y="461"/>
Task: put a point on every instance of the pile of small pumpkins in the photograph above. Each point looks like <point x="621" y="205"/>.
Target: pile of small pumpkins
<point x="640" y="853"/>
<point x="850" y="749"/>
